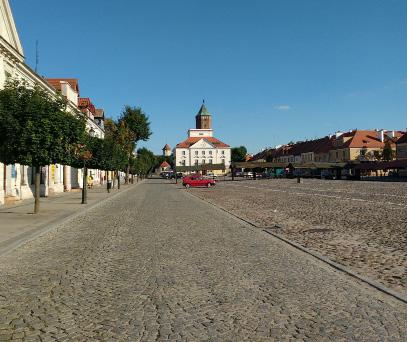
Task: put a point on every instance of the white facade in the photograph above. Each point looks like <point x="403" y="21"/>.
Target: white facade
<point x="198" y="133"/>
<point x="16" y="181"/>
<point x="202" y="152"/>
<point x="201" y="147"/>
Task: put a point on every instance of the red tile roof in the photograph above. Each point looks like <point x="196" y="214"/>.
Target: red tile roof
<point x="190" y="141"/>
<point x="317" y="146"/>
<point x="165" y="164"/>
<point x="368" y="138"/>
<point x="56" y="83"/>
<point x="86" y="103"/>
<point x="99" y="113"/>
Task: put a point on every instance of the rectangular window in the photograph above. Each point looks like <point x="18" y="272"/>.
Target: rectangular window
<point x="183" y="163"/>
<point x="196" y="153"/>
<point x="203" y="153"/>
<point x="210" y="161"/>
<point x="183" y="153"/>
<point x="223" y="152"/>
<point x="210" y="152"/>
<point x="196" y="161"/>
<point x="203" y="161"/>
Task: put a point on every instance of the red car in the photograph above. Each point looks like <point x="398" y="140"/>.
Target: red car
<point x="197" y="180"/>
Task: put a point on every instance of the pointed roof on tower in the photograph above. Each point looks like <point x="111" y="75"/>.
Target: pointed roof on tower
<point x="203" y="111"/>
<point x="167" y="147"/>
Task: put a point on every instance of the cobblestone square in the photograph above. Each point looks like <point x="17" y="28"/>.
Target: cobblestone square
<point x="157" y="264"/>
<point x="362" y="225"/>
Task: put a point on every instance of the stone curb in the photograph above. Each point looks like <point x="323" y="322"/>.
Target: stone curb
<point x="32" y="235"/>
<point x="316" y="255"/>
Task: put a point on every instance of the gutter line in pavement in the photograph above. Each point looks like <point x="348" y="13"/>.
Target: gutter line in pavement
<point x="341" y="268"/>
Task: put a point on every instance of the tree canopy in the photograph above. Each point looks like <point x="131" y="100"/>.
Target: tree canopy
<point x="137" y="122"/>
<point x="239" y="154"/>
<point x="132" y="126"/>
<point x="388" y="153"/>
<point x="144" y="162"/>
<point x="35" y="128"/>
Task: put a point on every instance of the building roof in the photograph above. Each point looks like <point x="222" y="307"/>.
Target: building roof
<point x="203" y="111"/>
<point x="86" y="103"/>
<point x="99" y="113"/>
<point x="367" y="138"/>
<point x="165" y="164"/>
<point x="56" y="83"/>
<point x="403" y="139"/>
<point x="190" y="141"/>
<point x="167" y="147"/>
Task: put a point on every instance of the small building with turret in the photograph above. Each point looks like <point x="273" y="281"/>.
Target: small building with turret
<point x="167" y="151"/>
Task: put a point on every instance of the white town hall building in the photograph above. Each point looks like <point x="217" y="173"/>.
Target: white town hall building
<point x="201" y="147"/>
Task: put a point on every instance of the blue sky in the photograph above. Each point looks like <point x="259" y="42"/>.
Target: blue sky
<point x="270" y="71"/>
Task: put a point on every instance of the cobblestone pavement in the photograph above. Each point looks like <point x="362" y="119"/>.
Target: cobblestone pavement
<point x="156" y="264"/>
<point x="362" y="225"/>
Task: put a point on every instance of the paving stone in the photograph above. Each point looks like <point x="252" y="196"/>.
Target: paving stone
<point x="155" y="264"/>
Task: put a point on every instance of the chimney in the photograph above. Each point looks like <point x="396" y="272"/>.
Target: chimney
<point x="391" y="134"/>
<point x="381" y="135"/>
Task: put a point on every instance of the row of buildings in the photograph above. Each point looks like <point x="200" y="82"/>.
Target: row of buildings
<point x="342" y="147"/>
<point x="16" y="181"/>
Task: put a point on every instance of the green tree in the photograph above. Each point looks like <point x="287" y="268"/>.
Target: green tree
<point x="36" y="130"/>
<point x="135" y="127"/>
<point x="388" y="153"/>
<point x="119" y="140"/>
<point x="239" y="154"/>
<point x="144" y="162"/>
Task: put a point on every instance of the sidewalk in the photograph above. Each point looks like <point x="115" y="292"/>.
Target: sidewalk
<point x="18" y="224"/>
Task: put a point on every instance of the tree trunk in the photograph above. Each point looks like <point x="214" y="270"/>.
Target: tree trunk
<point x="37" y="189"/>
<point x="118" y="180"/>
<point x="126" y="181"/>
<point x="85" y="185"/>
<point x="108" y="183"/>
<point x="113" y="179"/>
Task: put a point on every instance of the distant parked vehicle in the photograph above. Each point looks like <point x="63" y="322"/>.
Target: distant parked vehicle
<point x="304" y="173"/>
<point x="327" y="174"/>
<point x="173" y="175"/>
<point x="248" y="174"/>
<point x="197" y="180"/>
<point x="166" y="174"/>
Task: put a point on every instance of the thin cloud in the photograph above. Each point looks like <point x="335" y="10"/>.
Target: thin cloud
<point x="404" y="81"/>
<point x="282" y="107"/>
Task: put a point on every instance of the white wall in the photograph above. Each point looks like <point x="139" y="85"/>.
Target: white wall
<point x="195" y="133"/>
<point x="202" y="154"/>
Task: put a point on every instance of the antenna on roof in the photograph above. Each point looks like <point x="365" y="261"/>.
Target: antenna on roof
<point x="203" y="101"/>
<point x="37" y="56"/>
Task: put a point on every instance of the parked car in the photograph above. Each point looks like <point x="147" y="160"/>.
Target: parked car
<point x="197" y="180"/>
<point x="166" y="174"/>
<point x="248" y="174"/>
<point x="179" y="175"/>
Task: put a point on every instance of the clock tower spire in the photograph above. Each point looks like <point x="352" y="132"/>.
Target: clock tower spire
<point x="203" y="118"/>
